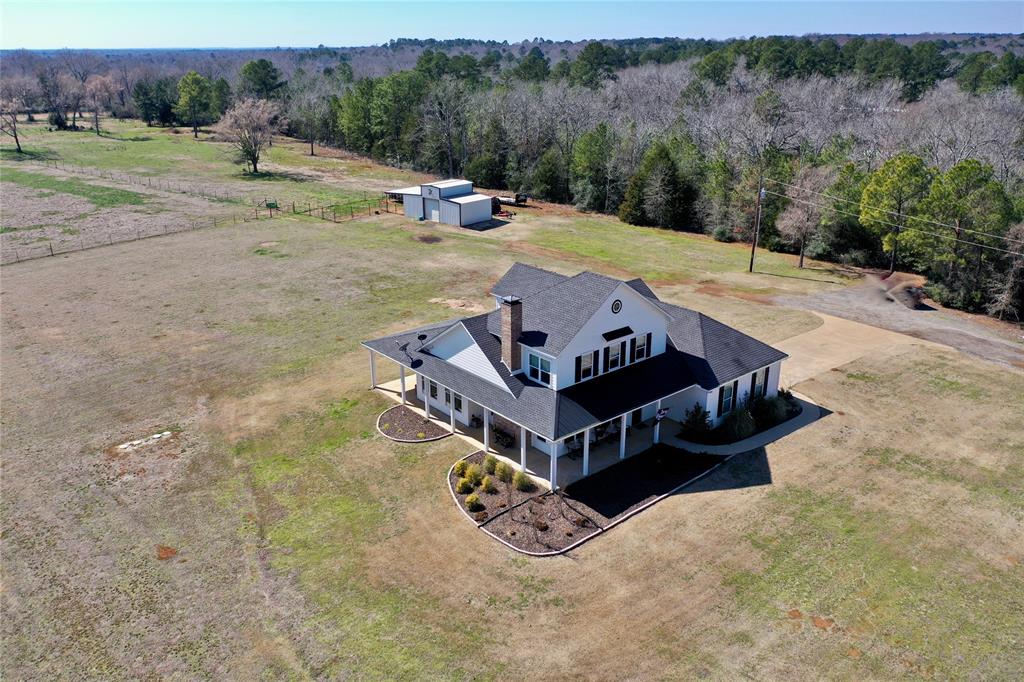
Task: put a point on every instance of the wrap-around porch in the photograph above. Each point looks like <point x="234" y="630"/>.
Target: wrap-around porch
<point x="594" y="449"/>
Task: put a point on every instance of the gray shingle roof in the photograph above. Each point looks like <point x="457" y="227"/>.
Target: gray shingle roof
<point x="554" y="315"/>
<point x="524" y="280"/>
<point x="701" y="350"/>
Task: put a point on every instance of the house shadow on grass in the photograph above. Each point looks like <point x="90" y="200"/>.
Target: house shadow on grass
<point x="633" y="483"/>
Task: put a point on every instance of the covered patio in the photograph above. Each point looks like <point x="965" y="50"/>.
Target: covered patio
<point x="541" y="467"/>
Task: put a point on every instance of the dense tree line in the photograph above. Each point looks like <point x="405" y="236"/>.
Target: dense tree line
<point x="869" y="151"/>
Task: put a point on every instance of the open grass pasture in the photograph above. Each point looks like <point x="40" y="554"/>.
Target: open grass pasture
<point x="275" y="535"/>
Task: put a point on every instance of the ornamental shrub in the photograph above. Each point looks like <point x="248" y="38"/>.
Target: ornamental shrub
<point x="473" y="503"/>
<point x="487" y="485"/>
<point x="463" y="486"/>
<point x="460" y="468"/>
<point x="490" y="464"/>
<point x="522" y="482"/>
<point x="697" y="421"/>
<point x="474" y="474"/>
<point x="768" y="412"/>
<point x="504" y="472"/>
<point x="739" y="425"/>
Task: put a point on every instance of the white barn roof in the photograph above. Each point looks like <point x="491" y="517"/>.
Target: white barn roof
<point x="468" y="198"/>
<point x="405" y="190"/>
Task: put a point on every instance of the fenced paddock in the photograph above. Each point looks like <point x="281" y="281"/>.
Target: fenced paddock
<point x="249" y="209"/>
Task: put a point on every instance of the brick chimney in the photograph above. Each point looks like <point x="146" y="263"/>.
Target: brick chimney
<point x="511" y="329"/>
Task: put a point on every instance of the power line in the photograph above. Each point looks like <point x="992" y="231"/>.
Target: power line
<point x="901" y="227"/>
<point x="897" y="213"/>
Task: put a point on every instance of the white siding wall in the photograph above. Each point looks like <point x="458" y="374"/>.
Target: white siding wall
<point x="449" y="213"/>
<point x="743" y="391"/>
<point x="678" y="404"/>
<point x="458" y="347"/>
<point x="457" y="190"/>
<point x="438" y="405"/>
<point x="476" y="212"/>
<point x="637" y="313"/>
<point x="413" y="206"/>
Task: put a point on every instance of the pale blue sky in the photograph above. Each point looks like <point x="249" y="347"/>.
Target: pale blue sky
<point x="257" y="23"/>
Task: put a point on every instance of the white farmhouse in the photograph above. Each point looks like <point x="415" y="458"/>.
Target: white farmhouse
<point x="563" y="362"/>
<point x="447" y="201"/>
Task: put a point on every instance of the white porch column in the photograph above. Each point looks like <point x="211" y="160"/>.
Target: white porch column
<point x="451" y="412"/>
<point x="622" y="437"/>
<point x="554" y="466"/>
<point x="522" y="449"/>
<point x="487" y="430"/>
<point x="401" y="374"/>
<point x="586" y="452"/>
<point x="657" y="423"/>
<point x="373" y="369"/>
<point x="426" y="399"/>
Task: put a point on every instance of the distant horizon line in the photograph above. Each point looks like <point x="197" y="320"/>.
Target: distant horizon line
<point x="512" y="42"/>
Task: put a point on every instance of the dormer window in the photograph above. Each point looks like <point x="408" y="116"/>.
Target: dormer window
<point x="540" y="369"/>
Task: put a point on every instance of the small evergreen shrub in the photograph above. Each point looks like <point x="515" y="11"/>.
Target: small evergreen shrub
<point x="697" y="421"/>
<point x="474" y="474"/>
<point x="463" y="486"/>
<point x="522" y="482"/>
<point x="473" y="503"/>
<point x="460" y="468"/>
<point x="768" y="412"/>
<point x="490" y="464"/>
<point x="487" y="485"/>
<point x="739" y="425"/>
<point x="504" y="472"/>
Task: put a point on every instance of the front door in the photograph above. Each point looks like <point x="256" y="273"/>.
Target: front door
<point x="637" y="416"/>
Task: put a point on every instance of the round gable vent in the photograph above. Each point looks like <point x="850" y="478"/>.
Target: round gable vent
<point x="616" y="306"/>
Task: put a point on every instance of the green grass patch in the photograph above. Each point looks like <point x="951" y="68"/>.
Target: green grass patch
<point x="886" y="578"/>
<point x="265" y="251"/>
<point x="1006" y="485"/>
<point x="946" y="386"/>
<point x="102" y="197"/>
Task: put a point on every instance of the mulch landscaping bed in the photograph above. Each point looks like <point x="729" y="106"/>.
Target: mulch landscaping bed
<point x="495" y="503"/>
<point x="403" y="424"/>
<point x="551" y="522"/>
<point x="621" y="488"/>
<point x="546" y="523"/>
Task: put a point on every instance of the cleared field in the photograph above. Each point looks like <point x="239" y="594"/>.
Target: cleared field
<point x="888" y="543"/>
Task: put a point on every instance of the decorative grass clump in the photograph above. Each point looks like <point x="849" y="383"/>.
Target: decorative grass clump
<point x="522" y="482"/>
<point x="504" y="472"/>
<point x="490" y="464"/>
<point x="474" y="474"/>
<point x="473" y="503"/>
<point x="463" y="486"/>
<point x="487" y="485"/>
<point x="460" y="468"/>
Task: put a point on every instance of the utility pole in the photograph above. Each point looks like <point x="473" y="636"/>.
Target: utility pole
<point x="757" y="221"/>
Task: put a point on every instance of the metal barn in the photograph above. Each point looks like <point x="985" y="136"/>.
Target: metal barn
<point x="447" y="201"/>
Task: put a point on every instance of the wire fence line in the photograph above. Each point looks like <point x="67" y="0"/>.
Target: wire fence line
<point x="262" y="209"/>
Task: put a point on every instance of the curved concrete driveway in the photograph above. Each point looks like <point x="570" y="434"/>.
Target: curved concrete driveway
<point x="835" y="343"/>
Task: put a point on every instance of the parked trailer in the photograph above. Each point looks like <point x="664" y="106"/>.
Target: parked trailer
<point x="517" y="200"/>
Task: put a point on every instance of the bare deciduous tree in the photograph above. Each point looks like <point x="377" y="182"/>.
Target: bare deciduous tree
<point x="801" y="219"/>
<point x="250" y="126"/>
<point x="99" y="90"/>
<point x="16" y="95"/>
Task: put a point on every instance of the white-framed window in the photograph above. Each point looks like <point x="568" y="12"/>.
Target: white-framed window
<point x="433" y="389"/>
<point x="759" y="383"/>
<point x="725" y="400"/>
<point x="641" y="347"/>
<point x="540" y="369"/>
<point x="614" y="356"/>
<point x="447" y="397"/>
<point x="458" y="403"/>
<point x="586" y="366"/>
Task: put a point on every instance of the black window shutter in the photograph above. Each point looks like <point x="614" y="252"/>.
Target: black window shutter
<point x="647" y="348"/>
<point x="765" y="389"/>
<point x="622" y="354"/>
<point x="735" y="386"/>
<point x="632" y="349"/>
<point x="579" y="365"/>
<point x="753" y="385"/>
<point x="596" y="365"/>
<point x="721" y="400"/>
<point x="606" y="358"/>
